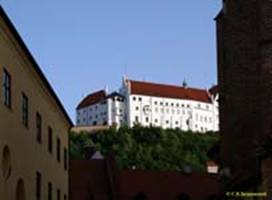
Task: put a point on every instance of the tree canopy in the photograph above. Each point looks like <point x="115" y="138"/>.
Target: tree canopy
<point x="149" y="148"/>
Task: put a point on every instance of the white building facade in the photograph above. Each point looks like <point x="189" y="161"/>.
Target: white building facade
<point x="152" y="104"/>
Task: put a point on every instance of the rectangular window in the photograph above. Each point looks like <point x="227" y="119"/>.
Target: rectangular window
<point x="136" y="119"/>
<point x="39" y="128"/>
<point x="25" y="110"/>
<point x="49" y="191"/>
<point x="38" y="185"/>
<point x="65" y="158"/>
<point x="50" y="140"/>
<point x="147" y="119"/>
<point x="58" y="194"/>
<point x="7" y="89"/>
<point x="58" y="149"/>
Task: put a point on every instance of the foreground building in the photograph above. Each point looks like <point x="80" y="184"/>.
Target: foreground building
<point x="244" y="30"/>
<point x="101" y="179"/>
<point x="33" y="126"/>
<point x="152" y="104"/>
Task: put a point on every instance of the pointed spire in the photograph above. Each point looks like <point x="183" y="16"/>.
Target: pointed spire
<point x="106" y="89"/>
<point x="184" y="83"/>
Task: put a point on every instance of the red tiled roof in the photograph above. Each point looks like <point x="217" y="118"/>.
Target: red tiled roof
<point x="92" y="99"/>
<point x="170" y="91"/>
<point x="211" y="163"/>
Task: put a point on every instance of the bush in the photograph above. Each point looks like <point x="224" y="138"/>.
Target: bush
<point x="148" y="147"/>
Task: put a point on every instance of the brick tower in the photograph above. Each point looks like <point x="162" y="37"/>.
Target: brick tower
<point x="244" y="38"/>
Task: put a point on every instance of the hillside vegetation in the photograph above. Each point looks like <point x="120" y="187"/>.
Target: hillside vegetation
<point x="148" y="148"/>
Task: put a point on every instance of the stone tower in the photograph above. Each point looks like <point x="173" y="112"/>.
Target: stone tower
<point x="244" y="42"/>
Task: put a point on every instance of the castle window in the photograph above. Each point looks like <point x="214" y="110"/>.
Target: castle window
<point x="50" y="140"/>
<point x="134" y="98"/>
<point x="49" y="191"/>
<point x="65" y="158"/>
<point x="155" y="102"/>
<point x="6" y="163"/>
<point x="58" y="194"/>
<point x="38" y="185"/>
<point x="140" y="98"/>
<point x="25" y="110"/>
<point x="7" y="89"/>
<point x="58" y="149"/>
<point x="147" y="119"/>
<point x="20" y="190"/>
<point x="38" y="128"/>
<point x="136" y="119"/>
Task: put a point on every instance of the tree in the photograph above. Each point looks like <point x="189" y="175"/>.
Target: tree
<point x="148" y="147"/>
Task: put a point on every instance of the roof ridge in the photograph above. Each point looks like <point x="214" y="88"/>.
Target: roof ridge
<point x="169" y="85"/>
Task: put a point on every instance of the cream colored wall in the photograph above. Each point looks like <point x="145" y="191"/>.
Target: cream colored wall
<point x="27" y="155"/>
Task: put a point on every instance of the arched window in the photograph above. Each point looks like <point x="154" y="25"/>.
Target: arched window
<point x="6" y="163"/>
<point x="140" y="196"/>
<point x="183" y="196"/>
<point x="20" y="190"/>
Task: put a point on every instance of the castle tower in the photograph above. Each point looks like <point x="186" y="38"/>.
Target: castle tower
<point x="244" y="42"/>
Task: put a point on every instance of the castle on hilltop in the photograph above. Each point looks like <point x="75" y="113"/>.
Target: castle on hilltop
<point x="152" y="104"/>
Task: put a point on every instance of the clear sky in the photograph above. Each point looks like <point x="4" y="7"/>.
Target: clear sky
<point x="83" y="45"/>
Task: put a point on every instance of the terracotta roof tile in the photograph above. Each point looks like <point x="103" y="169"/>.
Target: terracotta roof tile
<point x="92" y="99"/>
<point x="169" y="91"/>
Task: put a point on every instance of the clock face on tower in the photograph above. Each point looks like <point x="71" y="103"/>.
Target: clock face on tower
<point x="146" y="109"/>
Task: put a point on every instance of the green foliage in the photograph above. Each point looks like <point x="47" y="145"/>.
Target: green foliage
<point x="78" y="145"/>
<point x="149" y="147"/>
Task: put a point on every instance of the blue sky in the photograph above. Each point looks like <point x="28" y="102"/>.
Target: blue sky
<point x="84" y="45"/>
